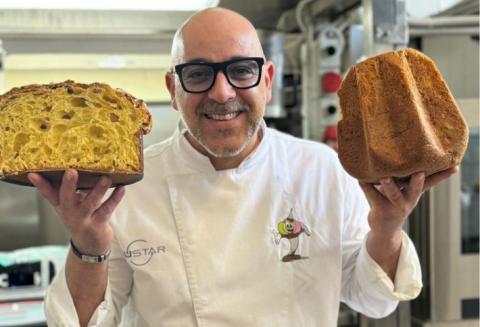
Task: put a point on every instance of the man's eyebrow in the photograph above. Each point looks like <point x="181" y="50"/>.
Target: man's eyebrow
<point x="203" y="60"/>
<point x="197" y="60"/>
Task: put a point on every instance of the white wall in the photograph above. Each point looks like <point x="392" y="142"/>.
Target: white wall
<point x="165" y="120"/>
<point x="424" y="8"/>
<point x="456" y="56"/>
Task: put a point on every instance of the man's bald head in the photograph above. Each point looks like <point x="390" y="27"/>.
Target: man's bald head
<point x="211" y="31"/>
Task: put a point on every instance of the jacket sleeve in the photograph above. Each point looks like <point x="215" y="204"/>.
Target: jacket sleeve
<point x="366" y="288"/>
<point x="59" y="307"/>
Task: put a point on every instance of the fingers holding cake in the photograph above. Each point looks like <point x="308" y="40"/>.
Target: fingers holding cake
<point x="45" y="188"/>
<point x="392" y="203"/>
<point x="83" y="212"/>
<point x="93" y="199"/>
<point x="438" y="177"/>
<point x="393" y="200"/>
<point x="104" y="212"/>
<point x="67" y="190"/>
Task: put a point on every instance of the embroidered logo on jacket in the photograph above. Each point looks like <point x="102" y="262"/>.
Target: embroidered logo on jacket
<point x="139" y="252"/>
<point x="290" y="229"/>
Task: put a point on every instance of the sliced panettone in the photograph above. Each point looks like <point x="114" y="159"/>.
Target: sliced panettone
<point x="90" y="127"/>
<point x="398" y="118"/>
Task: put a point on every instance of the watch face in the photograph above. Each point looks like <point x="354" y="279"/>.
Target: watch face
<point x="93" y="259"/>
<point x="89" y="258"/>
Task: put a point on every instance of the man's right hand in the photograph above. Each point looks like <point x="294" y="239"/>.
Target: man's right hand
<point x="83" y="212"/>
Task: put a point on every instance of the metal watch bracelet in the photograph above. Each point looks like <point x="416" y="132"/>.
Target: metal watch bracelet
<point x="89" y="258"/>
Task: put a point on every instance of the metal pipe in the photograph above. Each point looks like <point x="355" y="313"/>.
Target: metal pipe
<point x="304" y="21"/>
<point x="299" y="15"/>
<point x="368" y="40"/>
<point x="2" y="67"/>
<point x="456" y="21"/>
<point x="444" y="31"/>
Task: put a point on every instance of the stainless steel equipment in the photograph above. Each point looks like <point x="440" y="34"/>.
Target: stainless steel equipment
<point x="445" y="230"/>
<point x="19" y="218"/>
<point x="273" y="44"/>
<point x="24" y="276"/>
<point x="2" y="67"/>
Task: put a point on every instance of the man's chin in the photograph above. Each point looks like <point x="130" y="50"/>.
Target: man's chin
<point x="224" y="152"/>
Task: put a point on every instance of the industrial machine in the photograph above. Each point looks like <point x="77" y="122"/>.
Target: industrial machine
<point x="24" y="276"/>
<point x="445" y="228"/>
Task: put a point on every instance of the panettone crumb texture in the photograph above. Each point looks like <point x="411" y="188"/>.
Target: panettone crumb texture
<point x="83" y="126"/>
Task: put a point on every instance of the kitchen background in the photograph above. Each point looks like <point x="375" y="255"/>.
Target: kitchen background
<point x="312" y="43"/>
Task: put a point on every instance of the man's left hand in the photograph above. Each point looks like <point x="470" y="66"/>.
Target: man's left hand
<point x="391" y="204"/>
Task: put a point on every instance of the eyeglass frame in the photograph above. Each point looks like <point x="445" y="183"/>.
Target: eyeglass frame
<point x="217" y="67"/>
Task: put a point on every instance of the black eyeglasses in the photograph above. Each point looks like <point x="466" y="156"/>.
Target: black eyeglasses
<point x="199" y="77"/>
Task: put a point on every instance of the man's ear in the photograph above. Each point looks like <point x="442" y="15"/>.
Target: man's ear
<point x="269" y="75"/>
<point x="170" y="82"/>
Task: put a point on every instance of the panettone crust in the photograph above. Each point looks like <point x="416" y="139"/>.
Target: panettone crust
<point x="398" y="117"/>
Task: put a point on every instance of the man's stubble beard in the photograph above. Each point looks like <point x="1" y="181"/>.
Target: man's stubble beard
<point x="213" y="107"/>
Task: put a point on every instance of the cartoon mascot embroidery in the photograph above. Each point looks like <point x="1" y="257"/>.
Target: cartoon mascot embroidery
<point x="290" y="229"/>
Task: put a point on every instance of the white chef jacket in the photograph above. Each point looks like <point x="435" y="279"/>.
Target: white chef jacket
<point x="197" y="247"/>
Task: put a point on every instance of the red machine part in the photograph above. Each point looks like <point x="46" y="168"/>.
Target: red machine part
<point x="330" y="136"/>
<point x="331" y="82"/>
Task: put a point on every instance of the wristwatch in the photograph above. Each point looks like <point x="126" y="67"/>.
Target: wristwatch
<point x="89" y="258"/>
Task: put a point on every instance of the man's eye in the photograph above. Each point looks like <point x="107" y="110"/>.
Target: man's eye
<point x="244" y="71"/>
<point x="195" y="76"/>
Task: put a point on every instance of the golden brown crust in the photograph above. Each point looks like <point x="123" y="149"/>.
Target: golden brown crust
<point x="398" y="118"/>
<point x="87" y="178"/>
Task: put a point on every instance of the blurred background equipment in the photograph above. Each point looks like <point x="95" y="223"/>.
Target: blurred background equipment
<point x="445" y="228"/>
<point x="24" y="277"/>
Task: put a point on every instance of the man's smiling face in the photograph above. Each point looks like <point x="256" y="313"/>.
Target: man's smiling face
<point x="222" y="122"/>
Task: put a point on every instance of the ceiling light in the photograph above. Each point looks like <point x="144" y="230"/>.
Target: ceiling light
<point x="137" y="5"/>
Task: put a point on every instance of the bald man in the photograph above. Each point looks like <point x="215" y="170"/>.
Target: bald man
<point x="234" y="224"/>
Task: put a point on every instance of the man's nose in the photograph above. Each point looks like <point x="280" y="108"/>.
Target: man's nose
<point x="221" y="91"/>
